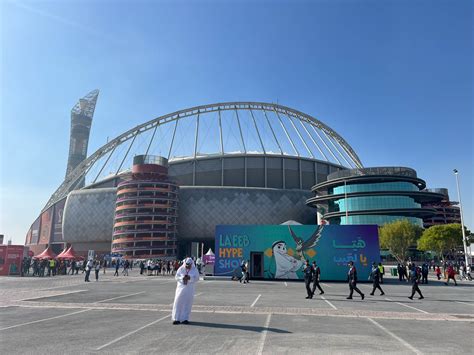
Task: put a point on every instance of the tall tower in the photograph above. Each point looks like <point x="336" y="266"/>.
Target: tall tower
<point x="81" y="120"/>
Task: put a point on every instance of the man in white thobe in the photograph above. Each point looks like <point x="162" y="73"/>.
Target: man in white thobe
<point x="186" y="276"/>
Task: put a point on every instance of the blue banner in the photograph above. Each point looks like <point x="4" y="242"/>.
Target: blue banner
<point x="285" y="249"/>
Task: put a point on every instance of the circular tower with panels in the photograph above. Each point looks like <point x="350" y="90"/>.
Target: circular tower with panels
<point x="146" y="211"/>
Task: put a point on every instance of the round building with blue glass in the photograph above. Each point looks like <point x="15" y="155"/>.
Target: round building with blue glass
<point x="373" y="196"/>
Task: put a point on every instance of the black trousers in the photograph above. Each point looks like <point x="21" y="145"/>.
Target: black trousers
<point x="376" y="285"/>
<point x="424" y="279"/>
<point x="451" y="278"/>
<point x="414" y="289"/>
<point x="316" y="284"/>
<point x="352" y="288"/>
<point x="116" y="272"/>
<point x="88" y="272"/>
<point x="97" y="275"/>
<point x="307" y="283"/>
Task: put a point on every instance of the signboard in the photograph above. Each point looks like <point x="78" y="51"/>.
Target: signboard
<point x="10" y="259"/>
<point x="209" y="259"/>
<point x="35" y="231"/>
<point x="46" y="222"/>
<point x="58" y="222"/>
<point x="282" y="249"/>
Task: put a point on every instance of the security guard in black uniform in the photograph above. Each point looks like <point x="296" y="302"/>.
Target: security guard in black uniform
<point x="308" y="276"/>
<point x="415" y="275"/>
<point x="352" y="278"/>
<point x="375" y="275"/>
<point x="316" y="276"/>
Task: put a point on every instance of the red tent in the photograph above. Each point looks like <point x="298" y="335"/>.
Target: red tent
<point x="61" y="253"/>
<point x="46" y="254"/>
<point x="69" y="254"/>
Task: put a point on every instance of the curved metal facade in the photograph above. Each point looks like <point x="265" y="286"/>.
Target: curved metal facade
<point x="202" y="208"/>
<point x="89" y="216"/>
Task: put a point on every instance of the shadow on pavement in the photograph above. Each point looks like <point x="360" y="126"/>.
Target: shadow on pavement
<point x="249" y="328"/>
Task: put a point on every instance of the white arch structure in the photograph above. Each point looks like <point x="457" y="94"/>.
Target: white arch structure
<point x="262" y="128"/>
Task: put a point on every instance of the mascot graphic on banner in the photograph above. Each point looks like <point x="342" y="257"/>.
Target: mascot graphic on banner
<point x="286" y="266"/>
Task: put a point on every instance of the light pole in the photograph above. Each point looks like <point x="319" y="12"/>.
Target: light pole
<point x="462" y="221"/>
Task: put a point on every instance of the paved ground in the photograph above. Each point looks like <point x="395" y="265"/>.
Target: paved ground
<point x="132" y="315"/>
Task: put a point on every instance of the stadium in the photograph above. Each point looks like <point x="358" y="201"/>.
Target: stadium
<point x="234" y="163"/>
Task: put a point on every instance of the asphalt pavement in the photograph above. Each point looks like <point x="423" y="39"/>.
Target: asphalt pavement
<point x="132" y="315"/>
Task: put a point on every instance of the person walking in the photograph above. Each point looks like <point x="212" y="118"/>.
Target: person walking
<point x="199" y="264"/>
<point x="316" y="279"/>
<point x="105" y="265"/>
<point x="463" y="273"/>
<point x="243" y="268"/>
<point x="73" y="267"/>
<point x="415" y="275"/>
<point x="117" y="267"/>
<point x="438" y="272"/>
<point x="97" y="269"/>
<point x="382" y="272"/>
<point x="308" y="277"/>
<point x="89" y="266"/>
<point x="451" y="275"/>
<point x="126" y="265"/>
<point x="404" y="272"/>
<point x="424" y="273"/>
<point x="186" y="277"/>
<point x="375" y="275"/>
<point x="352" y="278"/>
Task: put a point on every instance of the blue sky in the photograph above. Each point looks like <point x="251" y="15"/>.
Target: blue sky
<point x="394" y="78"/>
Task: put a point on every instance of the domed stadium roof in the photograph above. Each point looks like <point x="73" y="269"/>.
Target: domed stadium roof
<point x="223" y="129"/>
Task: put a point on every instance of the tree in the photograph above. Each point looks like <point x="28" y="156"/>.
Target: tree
<point x="441" y="238"/>
<point x="398" y="237"/>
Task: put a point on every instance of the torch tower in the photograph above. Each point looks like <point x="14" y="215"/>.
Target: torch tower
<point x="81" y="120"/>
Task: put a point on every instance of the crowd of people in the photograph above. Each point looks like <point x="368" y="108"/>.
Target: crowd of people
<point x="447" y="270"/>
<point x="54" y="267"/>
<point x="158" y="267"/>
<point x="51" y="267"/>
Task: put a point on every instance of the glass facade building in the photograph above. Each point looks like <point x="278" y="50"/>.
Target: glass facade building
<point x="373" y="196"/>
